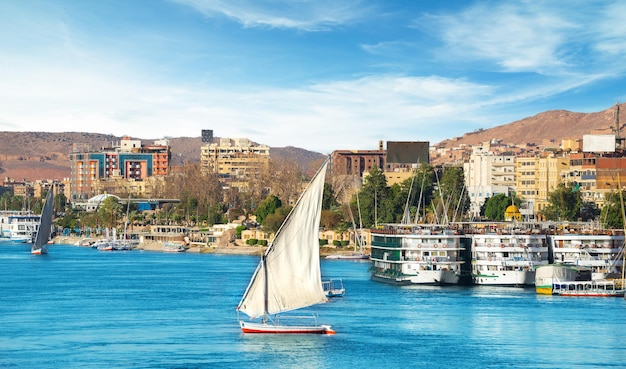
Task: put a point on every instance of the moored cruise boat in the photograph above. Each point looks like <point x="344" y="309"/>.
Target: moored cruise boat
<point x="599" y="251"/>
<point x="412" y="254"/>
<point x="18" y="226"/>
<point x="546" y="276"/>
<point x="507" y="258"/>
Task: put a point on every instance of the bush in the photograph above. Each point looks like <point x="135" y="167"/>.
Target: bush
<point x="252" y="241"/>
<point x="336" y="243"/>
<point x="238" y="231"/>
<point x="262" y="242"/>
<point x="323" y="242"/>
<point x="345" y="243"/>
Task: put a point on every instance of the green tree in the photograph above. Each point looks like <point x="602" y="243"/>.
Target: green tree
<point x="109" y="211"/>
<point x="417" y="191"/>
<point x="495" y="206"/>
<point x="589" y="211"/>
<point x="267" y="207"/>
<point x="451" y="201"/>
<point x="60" y="202"/>
<point x="564" y="203"/>
<point x="611" y="214"/>
<point x="68" y="221"/>
<point x="275" y="220"/>
<point x="371" y="197"/>
<point x="329" y="200"/>
<point x="331" y="218"/>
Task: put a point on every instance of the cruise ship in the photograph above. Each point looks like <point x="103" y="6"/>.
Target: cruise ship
<point x="414" y="254"/>
<point x="18" y="226"/>
<point x="600" y="251"/>
<point x="508" y="258"/>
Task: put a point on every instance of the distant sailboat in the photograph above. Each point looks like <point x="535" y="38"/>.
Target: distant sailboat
<point x="288" y="276"/>
<point x="40" y="246"/>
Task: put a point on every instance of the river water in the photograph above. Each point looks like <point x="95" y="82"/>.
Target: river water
<point x="82" y="308"/>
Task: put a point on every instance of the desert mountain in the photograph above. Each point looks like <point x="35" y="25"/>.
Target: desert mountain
<point x="545" y="128"/>
<point x="45" y="155"/>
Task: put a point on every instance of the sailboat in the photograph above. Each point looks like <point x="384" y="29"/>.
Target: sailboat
<point x="40" y="246"/>
<point x="288" y="276"/>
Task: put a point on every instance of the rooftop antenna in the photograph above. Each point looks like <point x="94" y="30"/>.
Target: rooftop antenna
<point x="619" y="140"/>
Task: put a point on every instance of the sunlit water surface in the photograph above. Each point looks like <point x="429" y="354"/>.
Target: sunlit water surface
<point x="79" y="307"/>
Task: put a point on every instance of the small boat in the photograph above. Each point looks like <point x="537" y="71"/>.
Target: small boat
<point x="593" y="288"/>
<point x="173" y="247"/>
<point x="547" y="276"/>
<point x="40" y="245"/>
<point x="354" y="256"/>
<point x="288" y="276"/>
<point x="333" y="288"/>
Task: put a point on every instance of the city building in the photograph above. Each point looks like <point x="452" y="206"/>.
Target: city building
<point x="236" y="161"/>
<point x="356" y="162"/>
<point x="128" y="160"/>
<point x="551" y="171"/>
<point x="486" y="175"/>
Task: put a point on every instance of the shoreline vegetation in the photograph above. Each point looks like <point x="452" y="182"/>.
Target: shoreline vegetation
<point x="233" y="248"/>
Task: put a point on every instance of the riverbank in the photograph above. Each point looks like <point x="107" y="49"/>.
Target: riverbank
<point x="236" y="248"/>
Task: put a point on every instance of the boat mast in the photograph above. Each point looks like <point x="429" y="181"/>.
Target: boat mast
<point x="621" y="201"/>
<point x="265" y="289"/>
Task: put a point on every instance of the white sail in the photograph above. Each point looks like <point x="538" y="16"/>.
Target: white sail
<point x="291" y="261"/>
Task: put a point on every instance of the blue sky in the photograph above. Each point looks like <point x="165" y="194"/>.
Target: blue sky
<point x="322" y="75"/>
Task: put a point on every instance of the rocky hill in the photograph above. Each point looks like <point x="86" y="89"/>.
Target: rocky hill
<point x="550" y="126"/>
<point x="45" y="155"/>
<point x="42" y="155"/>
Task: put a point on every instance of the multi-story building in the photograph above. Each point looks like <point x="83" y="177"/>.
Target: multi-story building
<point x="550" y="172"/>
<point x="595" y="174"/>
<point x="526" y="181"/>
<point x="235" y="161"/>
<point x="128" y="160"/>
<point x="357" y="162"/>
<point x="486" y="175"/>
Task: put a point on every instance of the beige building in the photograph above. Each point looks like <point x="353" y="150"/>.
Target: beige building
<point x="486" y="175"/>
<point x="235" y="161"/>
<point x="535" y="178"/>
<point x="526" y="185"/>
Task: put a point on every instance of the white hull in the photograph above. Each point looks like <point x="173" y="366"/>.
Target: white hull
<point x="404" y="254"/>
<point x="595" y="288"/>
<point x="506" y="278"/>
<point x="250" y="327"/>
<point x="349" y="257"/>
<point x="41" y="251"/>
<point x="599" y="252"/>
<point x="507" y="259"/>
<point x="425" y="277"/>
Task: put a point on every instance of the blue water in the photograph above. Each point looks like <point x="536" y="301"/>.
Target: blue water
<point x="83" y="308"/>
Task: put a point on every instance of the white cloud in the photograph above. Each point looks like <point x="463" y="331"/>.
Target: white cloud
<point x="516" y="37"/>
<point x="611" y="31"/>
<point x="315" y="15"/>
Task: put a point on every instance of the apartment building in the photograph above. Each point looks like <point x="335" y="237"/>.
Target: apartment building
<point x="551" y="171"/>
<point x="486" y="175"/>
<point x="127" y="160"/>
<point x="235" y="160"/>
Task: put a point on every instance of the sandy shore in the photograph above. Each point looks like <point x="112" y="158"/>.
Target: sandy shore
<point x="237" y="248"/>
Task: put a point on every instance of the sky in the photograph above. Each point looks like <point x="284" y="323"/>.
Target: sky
<point x="322" y="75"/>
